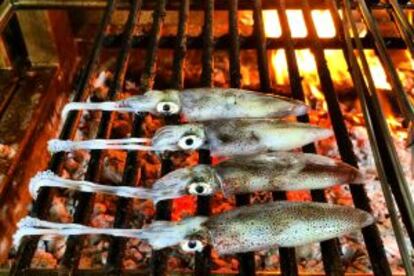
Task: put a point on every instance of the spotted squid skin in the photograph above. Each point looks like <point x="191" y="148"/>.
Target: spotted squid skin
<point x="282" y="171"/>
<point x="282" y="224"/>
<point x="203" y="104"/>
<point x="250" y="136"/>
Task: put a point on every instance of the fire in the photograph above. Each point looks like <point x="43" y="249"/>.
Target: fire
<point x="324" y="24"/>
<point x="336" y="63"/>
<point x="271" y="23"/>
<point x="325" y="29"/>
<point x="377" y="71"/>
<point x="296" y="23"/>
<point x="396" y="127"/>
<point x="322" y="19"/>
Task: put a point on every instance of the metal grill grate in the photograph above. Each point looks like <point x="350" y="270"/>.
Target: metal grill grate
<point x="386" y="160"/>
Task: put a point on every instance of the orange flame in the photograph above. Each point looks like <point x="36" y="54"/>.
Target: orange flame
<point x="324" y="24"/>
<point x="325" y="29"/>
<point x="338" y="68"/>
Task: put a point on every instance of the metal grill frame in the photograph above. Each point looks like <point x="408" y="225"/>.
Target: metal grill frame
<point x="389" y="168"/>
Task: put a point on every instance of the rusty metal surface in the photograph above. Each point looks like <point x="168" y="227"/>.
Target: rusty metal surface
<point x="172" y="4"/>
<point x="8" y="82"/>
<point x="25" y="128"/>
<point x="19" y="120"/>
<point x="48" y="38"/>
<point x="38" y="36"/>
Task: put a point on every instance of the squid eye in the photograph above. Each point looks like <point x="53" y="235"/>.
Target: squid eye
<point x="167" y="108"/>
<point x="190" y="142"/>
<point x="192" y="246"/>
<point x="200" y="188"/>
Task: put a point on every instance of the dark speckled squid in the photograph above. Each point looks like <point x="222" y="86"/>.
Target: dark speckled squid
<point x="202" y="104"/>
<point x="281" y="171"/>
<point x="248" y="228"/>
<point x="222" y="138"/>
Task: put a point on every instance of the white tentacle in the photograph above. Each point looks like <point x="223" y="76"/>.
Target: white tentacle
<point x="49" y="179"/>
<point x="56" y="145"/>
<point x="35" y="227"/>
<point x="159" y="234"/>
<point x="102" y="106"/>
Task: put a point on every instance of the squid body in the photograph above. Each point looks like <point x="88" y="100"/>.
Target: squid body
<point x="222" y="138"/>
<point x="281" y="171"/>
<point x="201" y="104"/>
<point x="248" y="228"/>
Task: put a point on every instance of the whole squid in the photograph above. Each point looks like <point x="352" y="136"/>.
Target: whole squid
<point x="222" y="138"/>
<point x="281" y="171"/>
<point x="248" y="228"/>
<point x="202" y="104"/>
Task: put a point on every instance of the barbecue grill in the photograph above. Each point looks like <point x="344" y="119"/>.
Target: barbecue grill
<point x="22" y="56"/>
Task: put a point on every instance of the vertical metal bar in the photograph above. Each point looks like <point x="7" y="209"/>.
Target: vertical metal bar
<point x="246" y="260"/>
<point x="403" y="100"/>
<point x="259" y="34"/>
<point x="234" y="50"/>
<point x="203" y="259"/>
<point x="398" y="182"/>
<point x="181" y="46"/>
<point x="84" y="202"/>
<point x="287" y="255"/>
<point x="371" y="234"/>
<point x="330" y="249"/>
<point x="6" y="13"/>
<point x="163" y="208"/>
<point x="372" y="114"/>
<point x="406" y="30"/>
<point x="117" y="245"/>
<point x="41" y="206"/>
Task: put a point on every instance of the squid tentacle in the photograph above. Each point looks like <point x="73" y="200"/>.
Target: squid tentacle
<point x="159" y="234"/>
<point x="101" y="106"/>
<point x="49" y="179"/>
<point x="56" y="145"/>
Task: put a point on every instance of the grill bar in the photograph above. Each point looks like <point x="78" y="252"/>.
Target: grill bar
<point x="203" y="259"/>
<point x="181" y="46"/>
<point x="84" y="204"/>
<point x="330" y="249"/>
<point x="247" y="42"/>
<point x="132" y="164"/>
<point x="260" y="39"/>
<point x="392" y="75"/>
<point x="41" y="206"/>
<point x="406" y="30"/>
<point x="288" y="264"/>
<point x="116" y="252"/>
<point x="399" y="185"/>
<point x="372" y="238"/>
<point x="172" y="5"/>
<point x="370" y="108"/>
<point x="361" y="200"/>
<point x="246" y="260"/>
<point x="163" y="208"/>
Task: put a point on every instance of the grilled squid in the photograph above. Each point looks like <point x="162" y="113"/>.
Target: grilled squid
<point x="248" y="228"/>
<point x="222" y="138"/>
<point x="201" y="104"/>
<point x="281" y="171"/>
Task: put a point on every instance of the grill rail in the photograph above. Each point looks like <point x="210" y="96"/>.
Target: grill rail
<point x="41" y="206"/>
<point x="388" y="166"/>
